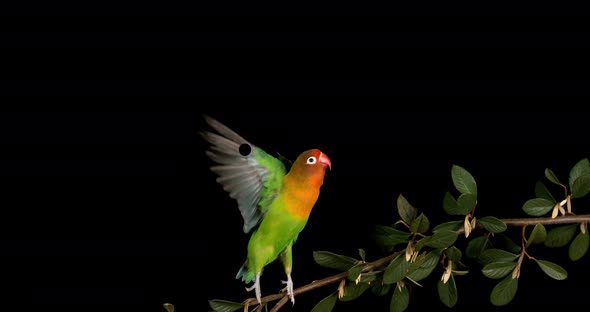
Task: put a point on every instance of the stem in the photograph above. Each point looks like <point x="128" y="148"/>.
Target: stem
<point x="280" y="304"/>
<point x="567" y="219"/>
<point x="547" y="220"/>
<point x="377" y="264"/>
<point x="319" y="283"/>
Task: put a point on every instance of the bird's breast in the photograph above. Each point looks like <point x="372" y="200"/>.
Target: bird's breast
<point x="300" y="200"/>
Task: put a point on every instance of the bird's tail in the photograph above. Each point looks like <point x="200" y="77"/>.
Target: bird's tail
<point x="245" y="274"/>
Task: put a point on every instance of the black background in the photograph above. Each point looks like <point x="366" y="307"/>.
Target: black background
<point x="118" y="211"/>
<point x="108" y="203"/>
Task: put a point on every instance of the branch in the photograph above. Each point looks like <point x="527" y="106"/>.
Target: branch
<point x="569" y="219"/>
<point x="547" y="220"/>
<point x="378" y="264"/>
<point x="319" y="283"/>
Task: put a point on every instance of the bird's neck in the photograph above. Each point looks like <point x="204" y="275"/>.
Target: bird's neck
<point x="300" y="196"/>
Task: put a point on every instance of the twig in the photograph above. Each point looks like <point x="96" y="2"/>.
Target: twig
<point x="568" y="219"/>
<point x="319" y="283"/>
<point x="547" y="220"/>
<point x="280" y="304"/>
<point x="377" y="264"/>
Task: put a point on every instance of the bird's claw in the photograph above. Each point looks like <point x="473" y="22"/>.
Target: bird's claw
<point x="289" y="288"/>
<point x="256" y="288"/>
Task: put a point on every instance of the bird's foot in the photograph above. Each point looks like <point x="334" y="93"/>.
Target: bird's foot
<point x="256" y="288"/>
<point x="289" y="288"/>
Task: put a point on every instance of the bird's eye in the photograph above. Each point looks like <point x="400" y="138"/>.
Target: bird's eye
<point x="311" y="160"/>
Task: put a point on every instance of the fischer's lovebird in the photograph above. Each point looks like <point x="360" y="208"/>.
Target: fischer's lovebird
<point x="275" y="197"/>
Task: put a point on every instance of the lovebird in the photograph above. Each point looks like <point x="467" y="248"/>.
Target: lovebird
<point x="274" y="196"/>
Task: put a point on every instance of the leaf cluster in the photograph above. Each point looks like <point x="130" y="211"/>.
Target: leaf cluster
<point x="417" y="249"/>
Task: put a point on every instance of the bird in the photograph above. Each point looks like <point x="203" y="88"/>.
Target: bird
<point x="274" y="195"/>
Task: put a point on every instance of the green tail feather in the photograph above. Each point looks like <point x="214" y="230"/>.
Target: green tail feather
<point x="244" y="274"/>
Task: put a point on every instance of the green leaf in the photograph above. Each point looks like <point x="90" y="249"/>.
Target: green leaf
<point x="424" y="265"/>
<point x="420" y="243"/>
<point x="541" y="191"/>
<point x="492" y="224"/>
<point x="369" y="276"/>
<point x="507" y="243"/>
<point x="225" y="306"/>
<point x="460" y="269"/>
<point x="537" y="206"/>
<point x="463" y="181"/>
<point x="396" y="270"/>
<point x="496" y="255"/>
<point x="466" y="203"/>
<point x="553" y="270"/>
<point x="333" y="261"/>
<point x="476" y="246"/>
<point x="380" y="289"/>
<point x="442" y="239"/>
<point x="579" y="246"/>
<point x="581" y="186"/>
<point x="551" y="176"/>
<point x="420" y="224"/>
<point x="327" y="304"/>
<point x="447" y="292"/>
<point x="388" y="237"/>
<point x="581" y="168"/>
<point x="498" y="270"/>
<point x="355" y="271"/>
<point x="448" y="226"/>
<point x="169" y="307"/>
<point x="504" y="291"/>
<point x="454" y="253"/>
<point x="362" y="254"/>
<point x="406" y="211"/>
<point x="538" y="235"/>
<point x="400" y="299"/>
<point x="450" y="205"/>
<point x="561" y="235"/>
<point x="353" y="291"/>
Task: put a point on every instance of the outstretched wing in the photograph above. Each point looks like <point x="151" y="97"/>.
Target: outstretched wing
<point x="251" y="176"/>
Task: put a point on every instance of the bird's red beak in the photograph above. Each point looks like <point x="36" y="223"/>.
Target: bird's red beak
<point x="325" y="161"/>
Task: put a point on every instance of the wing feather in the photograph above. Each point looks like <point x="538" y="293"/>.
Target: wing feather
<point x="253" y="180"/>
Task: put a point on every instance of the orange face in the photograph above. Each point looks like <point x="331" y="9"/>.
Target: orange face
<point x="304" y="180"/>
<point x="311" y="166"/>
<point x="315" y="158"/>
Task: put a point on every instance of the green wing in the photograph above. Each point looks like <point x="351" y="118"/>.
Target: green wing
<point x="250" y="175"/>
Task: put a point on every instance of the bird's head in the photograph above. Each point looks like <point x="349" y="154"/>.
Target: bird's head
<point x="312" y="164"/>
<point x="315" y="160"/>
